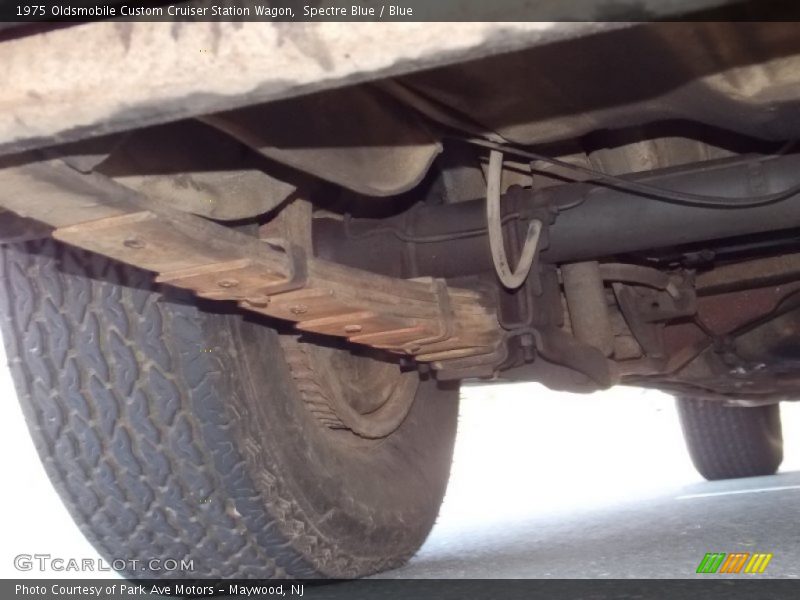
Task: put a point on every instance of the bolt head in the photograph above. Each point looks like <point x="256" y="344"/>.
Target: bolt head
<point x="300" y="309"/>
<point x="133" y="244"/>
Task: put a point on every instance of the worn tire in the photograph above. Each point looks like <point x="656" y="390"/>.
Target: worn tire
<point x="174" y="433"/>
<point x="727" y="442"/>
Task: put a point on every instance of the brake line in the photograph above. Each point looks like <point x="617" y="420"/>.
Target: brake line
<point x="644" y="189"/>
<point x="511" y="279"/>
<point x="473" y="133"/>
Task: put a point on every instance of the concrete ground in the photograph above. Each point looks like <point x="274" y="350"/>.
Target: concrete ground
<point x="548" y="486"/>
<point x="662" y="536"/>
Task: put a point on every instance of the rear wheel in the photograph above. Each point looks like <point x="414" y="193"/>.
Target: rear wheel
<point x="175" y="433"/>
<point x="726" y="442"/>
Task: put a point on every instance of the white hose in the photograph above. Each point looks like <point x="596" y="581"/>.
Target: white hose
<point x="510" y="279"/>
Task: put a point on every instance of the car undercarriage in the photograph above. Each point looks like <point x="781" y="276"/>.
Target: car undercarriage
<point x="662" y="190"/>
<point x="581" y="205"/>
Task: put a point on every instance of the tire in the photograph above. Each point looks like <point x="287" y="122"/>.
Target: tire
<point x="174" y="433"/>
<point x="728" y="442"/>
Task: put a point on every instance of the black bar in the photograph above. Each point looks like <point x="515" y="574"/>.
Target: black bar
<point x="66" y="11"/>
<point x="603" y="221"/>
<point x="706" y="587"/>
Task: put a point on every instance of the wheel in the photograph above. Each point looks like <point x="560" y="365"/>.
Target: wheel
<point x="172" y="432"/>
<point x="726" y="442"/>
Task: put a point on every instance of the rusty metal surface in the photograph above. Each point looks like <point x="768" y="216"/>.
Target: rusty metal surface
<point x="195" y="168"/>
<point x="724" y="313"/>
<point x="104" y="77"/>
<point x="742" y="77"/>
<point x="735" y="76"/>
<point x="755" y="273"/>
<point x="355" y="137"/>
<point x="401" y="316"/>
<point x="587" y="304"/>
<point x="745" y="348"/>
<point x="219" y="195"/>
<point x="561" y="348"/>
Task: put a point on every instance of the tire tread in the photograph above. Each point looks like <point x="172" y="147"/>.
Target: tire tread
<point x="727" y="442"/>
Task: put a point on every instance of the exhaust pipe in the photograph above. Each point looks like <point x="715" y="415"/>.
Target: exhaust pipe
<point x="450" y="240"/>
